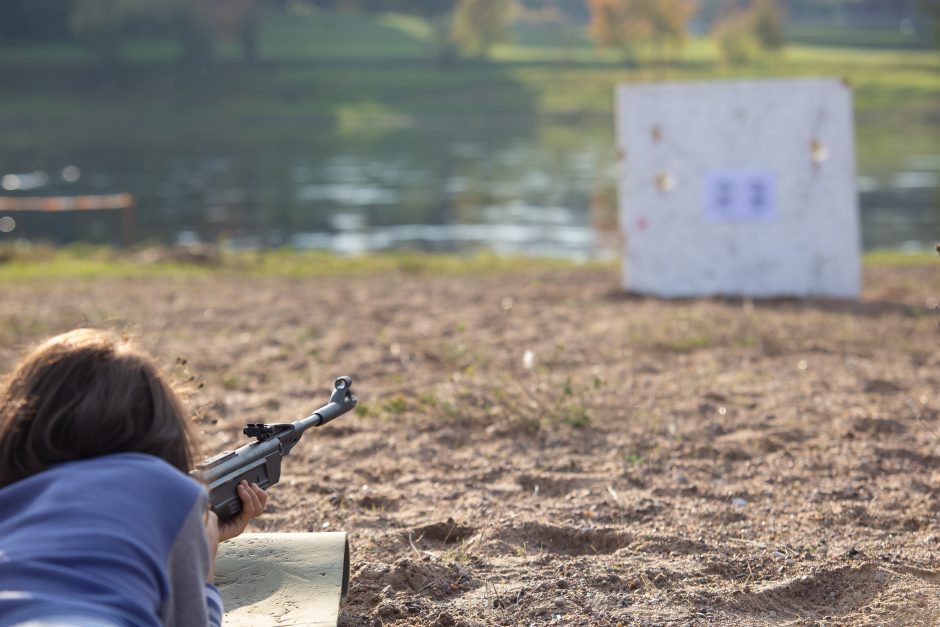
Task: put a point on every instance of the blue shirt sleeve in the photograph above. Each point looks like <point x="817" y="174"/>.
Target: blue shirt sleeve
<point x="93" y="538"/>
<point x="214" y="602"/>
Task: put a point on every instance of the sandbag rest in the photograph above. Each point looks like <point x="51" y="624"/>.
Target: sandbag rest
<point x="283" y="578"/>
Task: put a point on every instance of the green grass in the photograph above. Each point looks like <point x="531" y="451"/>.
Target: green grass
<point x="900" y="258"/>
<point x="333" y="36"/>
<point x="101" y="262"/>
<point x="857" y="37"/>
<point x="87" y="262"/>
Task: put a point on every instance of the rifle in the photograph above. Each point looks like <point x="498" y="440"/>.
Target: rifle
<point x="260" y="461"/>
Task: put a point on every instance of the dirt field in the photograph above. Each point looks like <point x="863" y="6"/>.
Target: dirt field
<point x="539" y="448"/>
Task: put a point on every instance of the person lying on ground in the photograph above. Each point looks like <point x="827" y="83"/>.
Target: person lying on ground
<point x="101" y="524"/>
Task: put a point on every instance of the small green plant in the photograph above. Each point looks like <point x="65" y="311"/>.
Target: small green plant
<point x="460" y="554"/>
<point x="565" y="408"/>
<point x="450" y="410"/>
<point x="577" y="417"/>
<point x="685" y="344"/>
<point x="530" y="425"/>
<point x="233" y="383"/>
<point x="395" y="405"/>
<point x="635" y="458"/>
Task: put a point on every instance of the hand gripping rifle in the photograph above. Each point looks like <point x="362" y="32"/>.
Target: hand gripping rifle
<point x="260" y="461"/>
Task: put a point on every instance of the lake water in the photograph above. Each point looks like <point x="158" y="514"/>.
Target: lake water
<point x="520" y="187"/>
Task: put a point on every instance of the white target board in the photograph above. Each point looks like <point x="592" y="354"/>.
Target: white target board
<point x="739" y="188"/>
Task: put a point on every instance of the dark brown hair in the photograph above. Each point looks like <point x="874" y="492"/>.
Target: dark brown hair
<point x="83" y="394"/>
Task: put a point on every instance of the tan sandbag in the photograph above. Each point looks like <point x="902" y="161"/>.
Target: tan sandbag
<point x="269" y="579"/>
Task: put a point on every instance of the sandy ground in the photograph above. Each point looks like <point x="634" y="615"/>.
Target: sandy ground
<point x="540" y="448"/>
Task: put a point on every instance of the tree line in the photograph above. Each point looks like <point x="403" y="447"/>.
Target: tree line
<point x="642" y="30"/>
<point x="103" y="25"/>
<point x="463" y="27"/>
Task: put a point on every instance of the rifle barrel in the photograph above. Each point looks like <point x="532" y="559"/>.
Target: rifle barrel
<point x="260" y="461"/>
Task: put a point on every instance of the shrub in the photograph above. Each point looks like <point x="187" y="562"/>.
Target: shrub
<point x="743" y="34"/>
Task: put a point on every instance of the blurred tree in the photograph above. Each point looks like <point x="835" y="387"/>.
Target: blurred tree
<point x="102" y="24"/>
<point x="744" y="33"/>
<point x="931" y="10"/>
<point x="198" y="24"/>
<point x="478" y="24"/>
<point x="768" y="24"/>
<point x="208" y="21"/>
<point x="618" y="24"/>
<point x="569" y="10"/>
<point x="671" y="22"/>
<point x="32" y="20"/>
<point x="637" y="25"/>
<point x="444" y="50"/>
<point x="735" y="39"/>
<point x="427" y="9"/>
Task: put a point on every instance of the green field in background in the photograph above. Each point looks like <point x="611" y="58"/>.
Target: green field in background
<point x="82" y="261"/>
<point x="329" y="63"/>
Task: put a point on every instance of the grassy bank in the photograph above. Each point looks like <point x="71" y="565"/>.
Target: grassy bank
<point x="41" y="262"/>
<point x="45" y="263"/>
